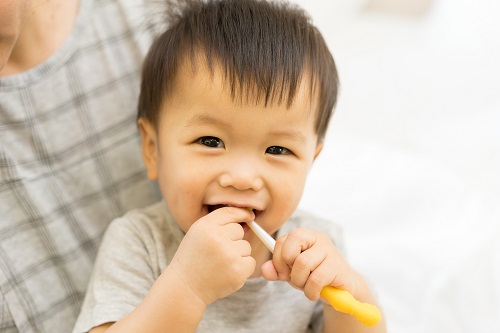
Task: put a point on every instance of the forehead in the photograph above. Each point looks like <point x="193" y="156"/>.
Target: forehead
<point x="201" y="99"/>
<point x="195" y="75"/>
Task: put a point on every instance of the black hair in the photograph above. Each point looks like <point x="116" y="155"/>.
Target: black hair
<point x="265" y="49"/>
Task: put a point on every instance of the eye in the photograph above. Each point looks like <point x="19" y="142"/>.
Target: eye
<point x="277" y="150"/>
<point x="211" y="141"/>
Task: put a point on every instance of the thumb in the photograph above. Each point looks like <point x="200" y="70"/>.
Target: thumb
<point x="269" y="272"/>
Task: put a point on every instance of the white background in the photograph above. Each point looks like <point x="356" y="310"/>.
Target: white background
<point x="411" y="165"/>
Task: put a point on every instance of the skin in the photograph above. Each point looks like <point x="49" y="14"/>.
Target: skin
<point x="238" y="172"/>
<point x="208" y="150"/>
<point x="32" y="30"/>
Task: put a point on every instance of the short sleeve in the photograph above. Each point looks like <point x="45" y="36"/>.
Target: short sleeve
<point x="122" y="275"/>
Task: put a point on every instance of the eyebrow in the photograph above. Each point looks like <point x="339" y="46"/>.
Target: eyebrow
<point x="205" y="119"/>
<point x="291" y="134"/>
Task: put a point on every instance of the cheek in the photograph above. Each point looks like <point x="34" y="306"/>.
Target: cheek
<point x="182" y="185"/>
<point x="288" y="192"/>
<point x="177" y="179"/>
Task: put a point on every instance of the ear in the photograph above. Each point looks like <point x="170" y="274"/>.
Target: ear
<point x="149" y="147"/>
<point x="319" y="148"/>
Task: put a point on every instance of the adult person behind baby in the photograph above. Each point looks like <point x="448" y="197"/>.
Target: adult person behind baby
<point x="235" y="102"/>
<point x="69" y="158"/>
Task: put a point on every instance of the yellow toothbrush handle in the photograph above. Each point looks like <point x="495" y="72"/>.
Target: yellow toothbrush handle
<point x="343" y="301"/>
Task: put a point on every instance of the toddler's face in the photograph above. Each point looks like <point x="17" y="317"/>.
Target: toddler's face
<point x="210" y="151"/>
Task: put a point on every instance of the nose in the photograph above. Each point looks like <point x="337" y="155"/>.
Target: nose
<point x="242" y="176"/>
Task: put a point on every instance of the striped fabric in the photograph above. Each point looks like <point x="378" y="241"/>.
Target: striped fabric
<point x="70" y="162"/>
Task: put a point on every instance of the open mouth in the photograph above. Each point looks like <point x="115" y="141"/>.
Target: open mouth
<point x="211" y="208"/>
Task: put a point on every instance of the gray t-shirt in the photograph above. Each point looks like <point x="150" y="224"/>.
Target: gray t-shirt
<point x="70" y="162"/>
<point x="138" y="247"/>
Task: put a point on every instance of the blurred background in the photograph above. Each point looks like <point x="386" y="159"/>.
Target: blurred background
<point x="411" y="164"/>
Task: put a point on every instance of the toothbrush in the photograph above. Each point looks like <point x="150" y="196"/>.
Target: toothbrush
<point x="340" y="300"/>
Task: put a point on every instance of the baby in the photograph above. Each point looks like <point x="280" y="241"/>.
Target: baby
<point x="235" y="101"/>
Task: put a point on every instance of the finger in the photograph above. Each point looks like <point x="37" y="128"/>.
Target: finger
<point x="279" y="263"/>
<point x="243" y="248"/>
<point x="234" y="231"/>
<point x="297" y="241"/>
<point x="319" y="278"/>
<point x="269" y="272"/>
<point x="249" y="265"/>
<point x="229" y="214"/>
<point x="304" y="264"/>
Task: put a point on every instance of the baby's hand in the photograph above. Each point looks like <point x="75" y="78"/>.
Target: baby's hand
<point x="213" y="259"/>
<point x="308" y="260"/>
